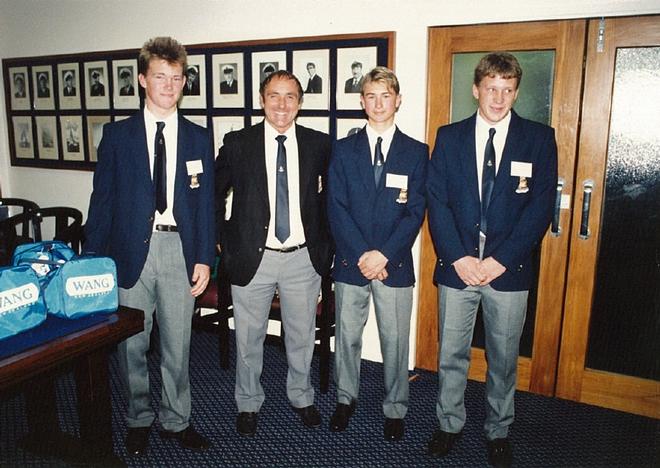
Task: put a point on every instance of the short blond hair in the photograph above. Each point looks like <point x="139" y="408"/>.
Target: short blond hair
<point x="164" y="48"/>
<point x="381" y="75"/>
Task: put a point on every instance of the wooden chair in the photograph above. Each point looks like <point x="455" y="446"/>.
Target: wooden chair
<point x="13" y="233"/>
<point x="218" y="296"/>
<point x="66" y="225"/>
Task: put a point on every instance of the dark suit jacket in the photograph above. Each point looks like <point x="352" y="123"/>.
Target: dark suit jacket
<point x="516" y="221"/>
<point x="314" y="85"/>
<point x="127" y="90"/>
<point x="225" y="88"/>
<point x="350" y="88"/>
<point x="70" y="92"/>
<point x="97" y="89"/>
<point x="194" y="88"/>
<point x="122" y="205"/>
<point x="241" y="165"/>
<point x="365" y="217"/>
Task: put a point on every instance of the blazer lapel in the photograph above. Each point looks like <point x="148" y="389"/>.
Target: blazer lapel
<point x="469" y="156"/>
<point x="305" y="163"/>
<point x="255" y="156"/>
<point x="513" y="138"/>
<point x="182" y="156"/>
<point x="363" y="161"/>
<point x="141" y="154"/>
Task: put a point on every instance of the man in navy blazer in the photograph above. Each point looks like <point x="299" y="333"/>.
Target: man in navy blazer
<point x="375" y="207"/>
<point x="491" y="187"/>
<point x="159" y="230"/>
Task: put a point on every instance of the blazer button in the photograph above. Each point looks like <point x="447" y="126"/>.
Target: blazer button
<point x="400" y="264"/>
<point x="266" y="228"/>
<point x="476" y="225"/>
<point x="151" y="219"/>
<point x="260" y="249"/>
<point x="344" y="262"/>
<point x="146" y="241"/>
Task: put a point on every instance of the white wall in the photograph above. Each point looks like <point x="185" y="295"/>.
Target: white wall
<point x="42" y="27"/>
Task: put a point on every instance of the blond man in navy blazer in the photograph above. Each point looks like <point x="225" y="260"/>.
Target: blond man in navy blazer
<point x="484" y="244"/>
<point x="375" y="206"/>
<point x="162" y="240"/>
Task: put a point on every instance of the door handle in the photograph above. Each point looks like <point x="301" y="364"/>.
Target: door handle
<point x="587" y="189"/>
<point x="555" y="228"/>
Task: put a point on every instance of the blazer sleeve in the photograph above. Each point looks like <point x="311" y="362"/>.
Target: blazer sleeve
<point x="206" y="213"/>
<point x="223" y="181"/>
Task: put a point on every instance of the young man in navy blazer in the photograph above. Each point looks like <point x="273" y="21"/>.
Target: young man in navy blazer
<point x="491" y="187"/>
<point x="152" y="212"/>
<point x="375" y="206"/>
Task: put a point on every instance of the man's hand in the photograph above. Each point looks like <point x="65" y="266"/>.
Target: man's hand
<point x="200" y="278"/>
<point x="469" y="270"/>
<point x="491" y="269"/>
<point x="372" y="263"/>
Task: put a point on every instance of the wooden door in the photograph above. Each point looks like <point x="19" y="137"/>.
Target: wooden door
<point x="563" y="41"/>
<point x="610" y="343"/>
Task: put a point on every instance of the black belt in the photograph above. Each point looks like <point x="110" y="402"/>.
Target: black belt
<point x="288" y="249"/>
<point x="166" y="228"/>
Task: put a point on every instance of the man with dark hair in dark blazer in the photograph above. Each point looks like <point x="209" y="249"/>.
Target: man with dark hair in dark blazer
<point x="276" y="239"/>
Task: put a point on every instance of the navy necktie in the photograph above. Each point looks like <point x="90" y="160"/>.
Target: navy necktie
<point x="160" y="169"/>
<point x="379" y="161"/>
<point x="487" y="178"/>
<point x="282" y="229"/>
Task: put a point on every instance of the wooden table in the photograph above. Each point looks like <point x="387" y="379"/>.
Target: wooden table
<point x="34" y="372"/>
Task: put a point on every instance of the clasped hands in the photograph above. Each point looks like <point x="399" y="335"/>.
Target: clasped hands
<point x="372" y="265"/>
<point x="475" y="272"/>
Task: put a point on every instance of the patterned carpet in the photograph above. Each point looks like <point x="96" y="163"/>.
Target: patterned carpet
<point x="548" y="432"/>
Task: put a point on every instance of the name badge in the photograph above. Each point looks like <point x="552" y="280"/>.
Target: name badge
<point x="194" y="168"/>
<point x="522" y="170"/>
<point x="396" y="181"/>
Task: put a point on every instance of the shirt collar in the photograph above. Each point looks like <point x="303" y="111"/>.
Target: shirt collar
<point x="270" y="132"/>
<point x="387" y="135"/>
<point x="483" y="126"/>
<point x="150" y="119"/>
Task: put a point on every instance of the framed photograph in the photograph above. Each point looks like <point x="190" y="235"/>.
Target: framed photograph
<point x="197" y="119"/>
<point x="23" y="141"/>
<point x="224" y="125"/>
<point x="352" y="64"/>
<point x="193" y="95"/>
<point x="95" y="125"/>
<point x="19" y="87"/>
<point x="322" y="124"/>
<point x="69" y="85"/>
<point x="72" y="138"/>
<point x="125" y="95"/>
<point x="263" y="64"/>
<point x="42" y="77"/>
<point x="311" y="67"/>
<point x="347" y="127"/>
<point x="228" y="80"/>
<point x="96" y="89"/>
<point x="47" y="137"/>
<point x="255" y="119"/>
<point x="117" y="118"/>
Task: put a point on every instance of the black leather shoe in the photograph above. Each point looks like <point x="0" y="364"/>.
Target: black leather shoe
<point x="137" y="440"/>
<point x="393" y="429"/>
<point x="246" y="423"/>
<point x="341" y="416"/>
<point x="309" y="415"/>
<point x="500" y="453"/>
<point x="188" y="438"/>
<point x="442" y="442"/>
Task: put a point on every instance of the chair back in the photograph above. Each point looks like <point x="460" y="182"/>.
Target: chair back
<point x="11" y="235"/>
<point x="16" y="206"/>
<point x="66" y="225"/>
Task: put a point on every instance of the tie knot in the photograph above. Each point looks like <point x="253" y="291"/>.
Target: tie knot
<point x="160" y="126"/>
<point x="379" y="140"/>
<point x="280" y="139"/>
<point x="491" y="133"/>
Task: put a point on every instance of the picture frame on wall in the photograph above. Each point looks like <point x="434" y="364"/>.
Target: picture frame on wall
<point x="68" y="75"/>
<point x="97" y="85"/>
<point x="19" y="88"/>
<point x="263" y="64"/>
<point x="223" y="125"/>
<point x="322" y="124"/>
<point x="23" y="140"/>
<point x="193" y="95"/>
<point x="47" y="141"/>
<point x="71" y="129"/>
<point x="312" y="68"/>
<point x="125" y="91"/>
<point x="197" y="119"/>
<point x="42" y="77"/>
<point x="95" y="125"/>
<point x="228" y="80"/>
<point x="347" y="127"/>
<point x="352" y="64"/>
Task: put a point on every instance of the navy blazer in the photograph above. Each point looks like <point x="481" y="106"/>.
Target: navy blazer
<point x="516" y="221"/>
<point x="364" y="217"/>
<point x="241" y="166"/>
<point x="122" y="205"/>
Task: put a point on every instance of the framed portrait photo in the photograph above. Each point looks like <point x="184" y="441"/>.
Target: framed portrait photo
<point x="347" y="127"/>
<point x="68" y="75"/>
<point x="322" y="124"/>
<point x="96" y="85"/>
<point x="193" y="95"/>
<point x="42" y="77"/>
<point x="47" y="137"/>
<point x="224" y="125"/>
<point x="263" y="64"/>
<point x="23" y="141"/>
<point x="352" y="64"/>
<point x="72" y="138"/>
<point x="19" y="88"/>
<point x="311" y="67"/>
<point x="95" y="125"/>
<point x="197" y="119"/>
<point x="228" y="80"/>
<point x="125" y="91"/>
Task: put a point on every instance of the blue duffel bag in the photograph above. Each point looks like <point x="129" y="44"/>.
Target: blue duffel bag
<point x="21" y="303"/>
<point x="44" y="257"/>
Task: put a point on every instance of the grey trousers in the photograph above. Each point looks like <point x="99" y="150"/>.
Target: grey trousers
<point x="298" y="285"/>
<point x="393" y="307"/>
<point x="163" y="289"/>
<point x="504" y="316"/>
